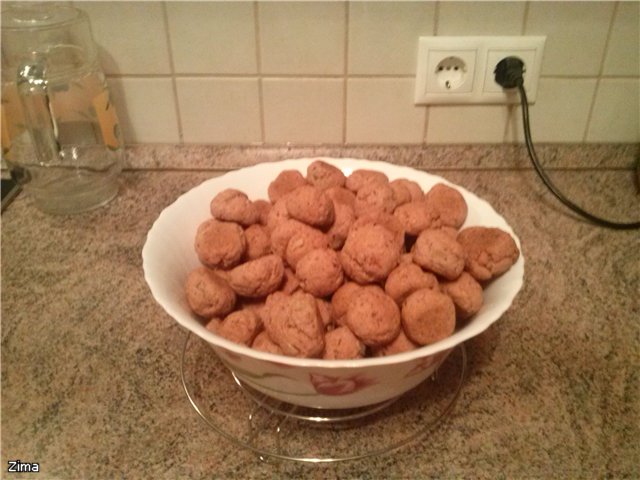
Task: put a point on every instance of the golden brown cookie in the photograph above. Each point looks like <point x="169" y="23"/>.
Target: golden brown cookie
<point x="258" y="243"/>
<point x="466" y="294"/>
<point x="373" y="198"/>
<point x="208" y="295"/>
<point x="370" y="253"/>
<point x="342" y="344"/>
<point x="293" y="322"/>
<point x="285" y="182"/>
<point x="324" y="175"/>
<point x="414" y="217"/>
<point x="428" y="316"/>
<point x="310" y="205"/>
<point x="257" y="278"/>
<point x="405" y="279"/>
<point x="436" y="251"/>
<point x="446" y="205"/>
<point x="302" y="242"/>
<point x="361" y="177"/>
<point x="490" y="252"/>
<point x="240" y="326"/>
<point x="232" y="205"/>
<point x="220" y="244"/>
<point x="320" y="272"/>
<point x="373" y="316"/>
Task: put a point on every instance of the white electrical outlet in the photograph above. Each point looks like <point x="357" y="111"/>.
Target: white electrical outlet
<point x="460" y="70"/>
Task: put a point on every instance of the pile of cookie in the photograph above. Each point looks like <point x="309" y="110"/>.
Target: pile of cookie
<point x="342" y="267"/>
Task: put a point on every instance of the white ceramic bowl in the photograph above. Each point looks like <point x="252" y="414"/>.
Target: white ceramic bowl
<point x="168" y="257"/>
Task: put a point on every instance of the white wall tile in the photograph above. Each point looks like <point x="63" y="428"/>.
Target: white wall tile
<point x="623" y="52"/>
<point x="219" y="110"/>
<point x="466" y="124"/>
<point x="382" y="111"/>
<point x="576" y="35"/>
<point x="303" y="110"/>
<point x="146" y="109"/>
<point x="132" y="36"/>
<point x="212" y="37"/>
<point x="383" y="36"/>
<point x="616" y="112"/>
<point x="560" y="113"/>
<point x="302" y="37"/>
<point x="480" y="18"/>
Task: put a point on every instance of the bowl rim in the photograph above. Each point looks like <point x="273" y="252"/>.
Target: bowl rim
<point x="459" y="336"/>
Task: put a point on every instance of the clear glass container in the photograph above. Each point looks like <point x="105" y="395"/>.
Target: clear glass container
<point x="60" y="133"/>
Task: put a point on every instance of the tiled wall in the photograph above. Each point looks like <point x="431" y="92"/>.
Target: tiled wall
<point x="343" y="72"/>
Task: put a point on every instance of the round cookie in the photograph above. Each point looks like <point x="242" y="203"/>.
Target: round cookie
<point x="369" y="253"/>
<point x="384" y="220"/>
<point x="446" y="205"/>
<point x="373" y="316"/>
<point x="302" y="242"/>
<point x="258" y="243"/>
<point x="240" y="326"/>
<point x="257" y="278"/>
<point x="285" y="182"/>
<point x="466" y="294"/>
<point x="293" y="323"/>
<point x="373" y="198"/>
<point x="489" y="251"/>
<point x="405" y="279"/>
<point x="342" y="344"/>
<point x="310" y="205"/>
<point x="361" y="177"/>
<point x="324" y="175"/>
<point x="207" y="294"/>
<point x="428" y="316"/>
<point x="320" y="272"/>
<point x="436" y="251"/>
<point x="232" y="205"/>
<point x="414" y="216"/>
<point x="220" y="244"/>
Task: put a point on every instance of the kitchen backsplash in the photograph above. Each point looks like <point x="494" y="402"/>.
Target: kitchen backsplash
<point x="310" y="73"/>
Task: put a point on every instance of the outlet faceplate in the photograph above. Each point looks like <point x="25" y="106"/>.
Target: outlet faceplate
<point x="472" y="82"/>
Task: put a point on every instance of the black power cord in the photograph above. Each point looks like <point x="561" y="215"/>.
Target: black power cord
<point x="508" y="74"/>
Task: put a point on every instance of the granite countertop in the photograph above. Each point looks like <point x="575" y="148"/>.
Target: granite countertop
<point x="91" y="364"/>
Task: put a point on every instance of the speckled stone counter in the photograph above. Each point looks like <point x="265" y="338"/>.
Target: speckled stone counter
<point x="91" y="364"/>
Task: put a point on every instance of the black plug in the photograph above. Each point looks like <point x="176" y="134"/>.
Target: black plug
<point x="509" y="72"/>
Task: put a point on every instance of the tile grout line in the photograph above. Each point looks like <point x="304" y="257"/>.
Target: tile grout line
<point x="427" y="109"/>
<point x="585" y="134"/>
<point x="256" y="28"/>
<point x="174" y="86"/>
<point x="346" y="73"/>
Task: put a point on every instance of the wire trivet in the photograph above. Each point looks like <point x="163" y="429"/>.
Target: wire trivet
<point x="276" y="429"/>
